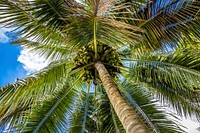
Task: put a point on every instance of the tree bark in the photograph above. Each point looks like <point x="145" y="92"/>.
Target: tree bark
<point x="126" y="114"/>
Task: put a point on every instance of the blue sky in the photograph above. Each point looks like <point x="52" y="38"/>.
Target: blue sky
<point x="16" y="62"/>
<point x="10" y="68"/>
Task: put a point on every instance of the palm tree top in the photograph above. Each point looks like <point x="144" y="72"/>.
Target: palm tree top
<point x="130" y="38"/>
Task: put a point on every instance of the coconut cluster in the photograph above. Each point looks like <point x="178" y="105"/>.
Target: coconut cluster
<point x="107" y="55"/>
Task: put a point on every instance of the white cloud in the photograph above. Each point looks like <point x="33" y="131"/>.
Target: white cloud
<point x="3" y="37"/>
<point x="31" y="62"/>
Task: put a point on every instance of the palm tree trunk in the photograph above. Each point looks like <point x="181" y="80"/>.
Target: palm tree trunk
<point x="126" y="114"/>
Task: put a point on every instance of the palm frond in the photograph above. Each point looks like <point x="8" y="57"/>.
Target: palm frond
<point x="51" y="113"/>
<point x="153" y="114"/>
<point x="109" y="31"/>
<point x="166" y="22"/>
<point x="82" y="119"/>
<point x="23" y="16"/>
<point x="47" y="51"/>
<point x="187" y="56"/>
<point x="170" y="78"/>
<point x="56" y="22"/>
<point x="52" y="100"/>
<point x="176" y="76"/>
<point x="19" y="96"/>
<point x="117" y="34"/>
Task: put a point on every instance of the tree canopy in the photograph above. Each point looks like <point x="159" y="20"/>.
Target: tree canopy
<point x="150" y="49"/>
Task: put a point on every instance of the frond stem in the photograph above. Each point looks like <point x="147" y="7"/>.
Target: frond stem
<point x="114" y="120"/>
<point x="55" y="11"/>
<point x="161" y="11"/>
<point x="192" y="71"/>
<point x="86" y="109"/>
<point x="55" y="105"/>
<point x="95" y="38"/>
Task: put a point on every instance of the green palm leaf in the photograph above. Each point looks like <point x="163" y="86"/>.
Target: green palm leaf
<point x="82" y="119"/>
<point x="64" y="24"/>
<point x="166" y="21"/>
<point x="22" y="15"/>
<point x="51" y="112"/>
<point x="55" y="99"/>
<point x="155" y="115"/>
<point x="47" y="51"/>
<point x="165" y="76"/>
<point x="25" y="92"/>
<point x="187" y="56"/>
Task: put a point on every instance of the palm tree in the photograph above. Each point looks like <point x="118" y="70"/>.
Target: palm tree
<point x="111" y="62"/>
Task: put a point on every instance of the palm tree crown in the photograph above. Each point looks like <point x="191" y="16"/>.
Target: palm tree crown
<point x="115" y="66"/>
